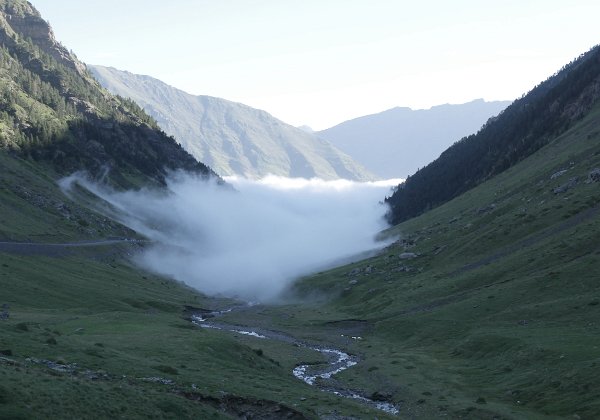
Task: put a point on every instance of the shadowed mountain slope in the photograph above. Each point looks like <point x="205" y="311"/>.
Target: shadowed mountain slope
<point x="53" y="111"/>
<point x="531" y="122"/>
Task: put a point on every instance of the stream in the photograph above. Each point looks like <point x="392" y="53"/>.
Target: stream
<point x="337" y="360"/>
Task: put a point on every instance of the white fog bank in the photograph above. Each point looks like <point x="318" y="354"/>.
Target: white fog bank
<point x="254" y="241"/>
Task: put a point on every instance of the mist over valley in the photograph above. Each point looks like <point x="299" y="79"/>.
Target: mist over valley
<point x="170" y="248"/>
<point x="253" y="240"/>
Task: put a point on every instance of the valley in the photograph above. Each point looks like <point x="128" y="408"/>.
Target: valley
<point x="474" y="312"/>
<point x="135" y="282"/>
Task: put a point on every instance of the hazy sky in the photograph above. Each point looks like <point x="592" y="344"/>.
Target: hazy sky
<point x="319" y="62"/>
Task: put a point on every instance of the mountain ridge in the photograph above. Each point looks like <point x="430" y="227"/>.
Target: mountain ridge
<point x="233" y="138"/>
<point x="395" y="142"/>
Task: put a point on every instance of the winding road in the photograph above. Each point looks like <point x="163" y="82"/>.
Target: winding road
<point x="54" y="249"/>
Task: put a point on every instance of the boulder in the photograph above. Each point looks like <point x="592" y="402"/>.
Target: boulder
<point x="594" y="175"/>
<point x="381" y="396"/>
<point x="354" y="272"/>
<point x="486" y="209"/>
<point x="558" y="174"/>
<point x="407" y="256"/>
<point x="566" y="186"/>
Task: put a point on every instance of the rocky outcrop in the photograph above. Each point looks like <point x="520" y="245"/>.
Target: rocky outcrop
<point x="27" y="22"/>
<point x="566" y="186"/>
<point x="594" y="175"/>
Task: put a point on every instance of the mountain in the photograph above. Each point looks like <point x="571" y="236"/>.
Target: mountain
<point x="53" y="111"/>
<point x="525" y="126"/>
<point x="396" y="142"/>
<point x="486" y="306"/>
<point x="232" y="138"/>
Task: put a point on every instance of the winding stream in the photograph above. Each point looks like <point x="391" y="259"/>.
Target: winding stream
<point x="337" y="360"/>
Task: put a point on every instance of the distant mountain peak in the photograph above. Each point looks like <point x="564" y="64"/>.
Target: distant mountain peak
<point x="233" y="138"/>
<point x="396" y="142"/>
<point x="306" y="129"/>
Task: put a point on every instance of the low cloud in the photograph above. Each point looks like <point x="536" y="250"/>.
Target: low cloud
<point x="254" y="241"/>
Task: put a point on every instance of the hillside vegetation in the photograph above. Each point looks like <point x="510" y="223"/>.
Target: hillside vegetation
<point x="524" y="127"/>
<point x="53" y="111"/>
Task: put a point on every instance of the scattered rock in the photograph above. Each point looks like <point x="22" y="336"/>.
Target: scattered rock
<point x="558" y="174"/>
<point x="454" y="220"/>
<point x="404" y="268"/>
<point x="407" y="256"/>
<point x="486" y="209"/>
<point x="566" y="187"/>
<point x="354" y="272"/>
<point x="523" y="322"/>
<point x="381" y="396"/>
<point x="4" y="315"/>
<point x="368" y="269"/>
<point x="438" y="248"/>
<point x="594" y="176"/>
<point x="7" y="352"/>
<point x="158" y="380"/>
<point x="58" y="367"/>
<point x="353" y="282"/>
<point x="7" y="361"/>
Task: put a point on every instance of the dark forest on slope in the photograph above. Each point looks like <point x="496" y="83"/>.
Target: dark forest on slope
<point x="523" y="128"/>
<point x="52" y="110"/>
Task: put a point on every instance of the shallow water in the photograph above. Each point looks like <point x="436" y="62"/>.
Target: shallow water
<point x="337" y="360"/>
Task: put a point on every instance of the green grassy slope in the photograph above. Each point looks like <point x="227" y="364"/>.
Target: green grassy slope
<point x="498" y="314"/>
<point x="33" y="209"/>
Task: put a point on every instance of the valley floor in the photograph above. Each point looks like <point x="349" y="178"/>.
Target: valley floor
<point x="486" y="307"/>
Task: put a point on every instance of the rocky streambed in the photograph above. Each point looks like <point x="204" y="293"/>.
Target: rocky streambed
<point x="313" y="374"/>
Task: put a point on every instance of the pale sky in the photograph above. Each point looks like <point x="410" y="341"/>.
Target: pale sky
<point x="320" y="62"/>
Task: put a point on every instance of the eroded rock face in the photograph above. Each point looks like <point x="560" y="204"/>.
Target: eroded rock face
<point x="28" y="23"/>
